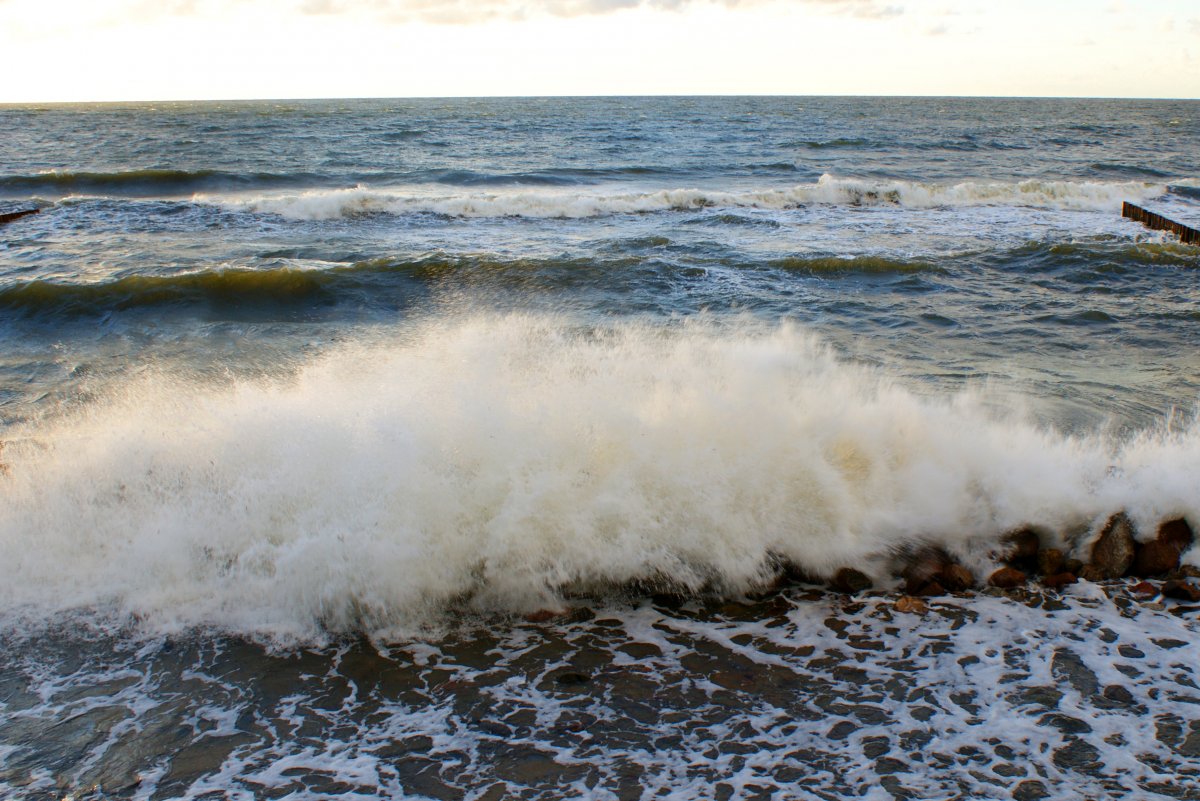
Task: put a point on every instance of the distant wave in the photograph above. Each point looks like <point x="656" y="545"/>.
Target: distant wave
<point x="850" y="264"/>
<point x="363" y="199"/>
<point x="149" y="182"/>
<point x="504" y="463"/>
<point x="836" y="144"/>
<point x="156" y="182"/>
<point x="269" y="289"/>
<point x="294" y="288"/>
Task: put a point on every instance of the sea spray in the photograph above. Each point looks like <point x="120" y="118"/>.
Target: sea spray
<point x="497" y="463"/>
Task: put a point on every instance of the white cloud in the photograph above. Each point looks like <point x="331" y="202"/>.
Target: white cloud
<point x="467" y="11"/>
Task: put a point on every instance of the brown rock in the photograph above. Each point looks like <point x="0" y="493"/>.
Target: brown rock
<point x="1072" y="566"/>
<point x="1181" y="591"/>
<point x="544" y="615"/>
<point x="1154" y="558"/>
<point x="798" y="575"/>
<point x="1161" y="555"/>
<point x="1143" y="590"/>
<point x="1006" y="578"/>
<point x="1059" y="580"/>
<point x="1189" y="571"/>
<point x="1050" y="561"/>
<point x="1021" y="547"/>
<point x="911" y="605"/>
<point x="956" y="578"/>
<point x="1176" y="532"/>
<point x="850" y="581"/>
<point x="922" y="567"/>
<point x="1091" y="573"/>
<point x="1112" y="552"/>
<point x="931" y="590"/>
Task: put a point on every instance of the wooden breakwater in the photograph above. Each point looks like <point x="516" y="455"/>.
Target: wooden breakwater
<point x="1188" y="236"/>
<point x="16" y="215"/>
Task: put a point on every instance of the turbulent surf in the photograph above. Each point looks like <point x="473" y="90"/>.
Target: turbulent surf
<point x="507" y="448"/>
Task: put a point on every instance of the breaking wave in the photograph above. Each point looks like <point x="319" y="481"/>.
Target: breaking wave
<point x="504" y="463"/>
<point x="363" y="199"/>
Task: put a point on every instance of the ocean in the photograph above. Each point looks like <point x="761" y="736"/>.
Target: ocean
<point x="500" y="448"/>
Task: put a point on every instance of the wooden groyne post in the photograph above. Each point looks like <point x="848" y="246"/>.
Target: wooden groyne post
<point x="1188" y="236"/>
<point x="16" y="215"/>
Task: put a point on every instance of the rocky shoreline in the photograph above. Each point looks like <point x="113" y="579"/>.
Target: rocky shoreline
<point x="1115" y="552"/>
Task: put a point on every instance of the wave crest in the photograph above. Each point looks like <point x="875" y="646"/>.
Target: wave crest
<point x="363" y="199"/>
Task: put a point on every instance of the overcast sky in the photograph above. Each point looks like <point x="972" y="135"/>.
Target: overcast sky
<point x="209" y="49"/>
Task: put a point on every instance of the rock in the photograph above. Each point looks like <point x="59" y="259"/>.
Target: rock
<point x="1181" y="591"/>
<point x="1161" y="555"/>
<point x="1112" y="552"/>
<point x="798" y="575"/>
<point x="922" y="567"/>
<point x="850" y="581"/>
<point x="1030" y="790"/>
<point x="1091" y="573"/>
<point x="1176" y="532"/>
<point x="1021" y="547"/>
<point x="956" y="578"/>
<point x="1118" y="694"/>
<point x="543" y="615"/>
<point x="1050" y="561"/>
<point x="911" y="605"/>
<point x="1154" y="558"/>
<point x="1143" y="591"/>
<point x="932" y="571"/>
<point x="931" y="589"/>
<point x="572" y="678"/>
<point x="1006" y="578"/>
<point x="1188" y="571"/>
<point x="1059" y="580"/>
<point x="1072" y="566"/>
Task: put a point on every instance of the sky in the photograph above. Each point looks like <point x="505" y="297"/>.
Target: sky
<point x="89" y="50"/>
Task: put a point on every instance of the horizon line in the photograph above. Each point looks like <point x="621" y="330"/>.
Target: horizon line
<point x="597" y="96"/>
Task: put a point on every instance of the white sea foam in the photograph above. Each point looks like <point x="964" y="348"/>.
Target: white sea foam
<point x="502" y="461"/>
<point x="573" y="203"/>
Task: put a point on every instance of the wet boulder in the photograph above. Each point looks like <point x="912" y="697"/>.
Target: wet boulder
<point x="1113" y="550"/>
<point x="850" y="581"/>
<point x="1006" y="578"/>
<point x="1181" y="591"/>
<point x="1161" y="555"/>
<point x="932" y="571"/>
<point x="956" y="578"/>
<point x="1059" y="580"/>
<point x="910" y="605"/>
<point x="1051" y="562"/>
<point x="1143" y="591"/>
<point x="1020" y="548"/>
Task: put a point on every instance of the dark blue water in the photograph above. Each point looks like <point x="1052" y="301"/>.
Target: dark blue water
<point x="304" y="404"/>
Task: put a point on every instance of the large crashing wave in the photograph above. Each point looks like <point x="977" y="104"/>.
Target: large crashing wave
<point x="574" y="203"/>
<point x="501" y="463"/>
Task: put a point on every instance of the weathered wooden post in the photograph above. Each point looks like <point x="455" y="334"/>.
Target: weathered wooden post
<point x="16" y="215"/>
<point x="1157" y="222"/>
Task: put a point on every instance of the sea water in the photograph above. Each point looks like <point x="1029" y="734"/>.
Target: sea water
<point x="307" y="405"/>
